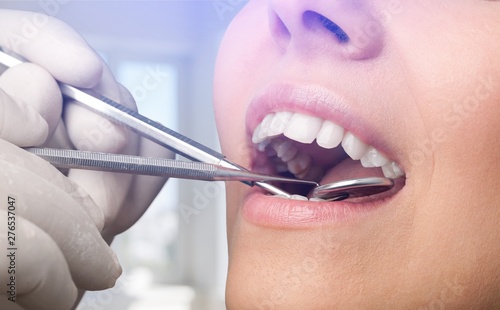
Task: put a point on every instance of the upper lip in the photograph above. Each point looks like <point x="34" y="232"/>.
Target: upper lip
<point x="320" y="102"/>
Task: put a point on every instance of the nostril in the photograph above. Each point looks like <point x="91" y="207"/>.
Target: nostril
<point x="315" y="20"/>
<point x="280" y="32"/>
<point x="335" y="29"/>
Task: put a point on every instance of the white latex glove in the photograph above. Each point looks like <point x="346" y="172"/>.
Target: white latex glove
<point x="59" y="219"/>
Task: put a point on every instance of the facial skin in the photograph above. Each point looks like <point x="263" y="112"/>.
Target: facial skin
<point x="420" y="81"/>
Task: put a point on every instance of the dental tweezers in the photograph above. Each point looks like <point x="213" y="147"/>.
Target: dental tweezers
<point x="207" y="163"/>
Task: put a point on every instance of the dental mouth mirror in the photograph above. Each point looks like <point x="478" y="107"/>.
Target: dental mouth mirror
<point x="353" y="188"/>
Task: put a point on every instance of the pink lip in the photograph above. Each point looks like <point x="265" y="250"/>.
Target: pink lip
<point x="264" y="210"/>
<point x="281" y="213"/>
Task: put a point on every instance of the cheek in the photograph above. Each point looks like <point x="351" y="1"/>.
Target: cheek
<point x="454" y="76"/>
<point x="229" y="101"/>
<point x="234" y="199"/>
<point x="245" y="57"/>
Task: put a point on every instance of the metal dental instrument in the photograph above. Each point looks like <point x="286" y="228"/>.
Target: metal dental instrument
<point x="224" y="169"/>
<point x="73" y="159"/>
<point x="352" y="188"/>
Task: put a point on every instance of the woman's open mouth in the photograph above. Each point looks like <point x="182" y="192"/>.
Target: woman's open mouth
<point x="310" y="148"/>
<point x="297" y="144"/>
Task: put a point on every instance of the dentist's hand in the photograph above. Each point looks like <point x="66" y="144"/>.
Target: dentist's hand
<point x="52" y="227"/>
<point x="58" y="224"/>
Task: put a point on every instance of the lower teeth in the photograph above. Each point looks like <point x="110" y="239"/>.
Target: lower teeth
<point x="299" y="198"/>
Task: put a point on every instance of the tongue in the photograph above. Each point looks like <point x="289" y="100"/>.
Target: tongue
<point x="349" y="169"/>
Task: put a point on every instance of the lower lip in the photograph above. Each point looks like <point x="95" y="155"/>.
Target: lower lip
<point x="264" y="210"/>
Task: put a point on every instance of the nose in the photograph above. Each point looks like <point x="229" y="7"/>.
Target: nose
<point x="344" y="27"/>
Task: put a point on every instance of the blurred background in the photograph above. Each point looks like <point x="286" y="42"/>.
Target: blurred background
<point x="164" y="52"/>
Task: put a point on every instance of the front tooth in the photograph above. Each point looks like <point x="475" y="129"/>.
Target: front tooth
<point x="299" y="197"/>
<point x="314" y="199"/>
<point x="374" y="157"/>
<point x="330" y="135"/>
<point x="365" y="162"/>
<point x="281" y="196"/>
<point x="264" y="126"/>
<point x="303" y="128"/>
<point x="354" y="147"/>
<point x="398" y="170"/>
<point x="256" y="138"/>
<point x="261" y="133"/>
<point x="279" y="122"/>
<point x="392" y="170"/>
<point x="293" y="197"/>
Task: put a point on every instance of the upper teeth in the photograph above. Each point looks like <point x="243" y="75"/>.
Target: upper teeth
<point x="305" y="129"/>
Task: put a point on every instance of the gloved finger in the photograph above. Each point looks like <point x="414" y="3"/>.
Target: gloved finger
<point x="107" y="189"/>
<point x="21" y="124"/>
<point x="142" y="191"/>
<point x="53" y="45"/>
<point x="16" y="156"/>
<point x="33" y="86"/>
<point x="92" y="263"/>
<point x="65" y="55"/>
<point x="60" y="138"/>
<point x="36" y="272"/>
<point x="92" y="132"/>
<point x="143" y="188"/>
